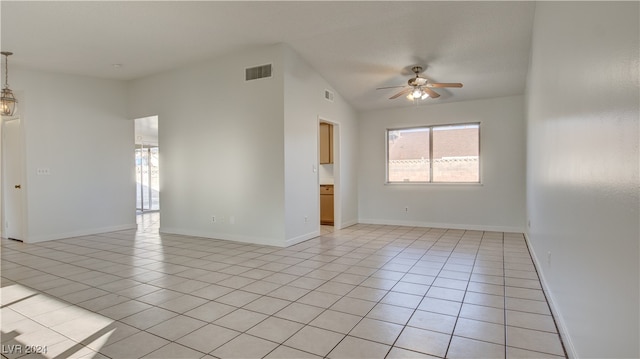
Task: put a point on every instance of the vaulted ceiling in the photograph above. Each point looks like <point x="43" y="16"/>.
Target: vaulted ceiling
<point x="356" y="46"/>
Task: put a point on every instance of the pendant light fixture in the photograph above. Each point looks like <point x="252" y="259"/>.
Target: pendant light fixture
<point x="8" y="100"/>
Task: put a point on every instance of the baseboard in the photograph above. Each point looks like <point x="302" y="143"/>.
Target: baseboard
<point x="470" y="227"/>
<point x="302" y="238"/>
<point x="560" y="322"/>
<point x="224" y="236"/>
<point x="80" y="233"/>
<point x="349" y="223"/>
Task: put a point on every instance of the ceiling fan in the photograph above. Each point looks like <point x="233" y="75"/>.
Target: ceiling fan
<point x="419" y="87"/>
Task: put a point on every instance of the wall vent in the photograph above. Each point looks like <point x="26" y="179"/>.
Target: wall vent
<point x="328" y="95"/>
<point x="258" y="72"/>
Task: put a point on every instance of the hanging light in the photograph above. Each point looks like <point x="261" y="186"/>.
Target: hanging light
<point x="8" y="100"/>
<point x="417" y="94"/>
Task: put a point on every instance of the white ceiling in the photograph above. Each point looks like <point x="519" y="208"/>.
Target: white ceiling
<point x="356" y="46"/>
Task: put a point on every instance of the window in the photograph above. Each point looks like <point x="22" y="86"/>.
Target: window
<point x="444" y="154"/>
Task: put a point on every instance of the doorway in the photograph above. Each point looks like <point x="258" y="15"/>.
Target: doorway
<point x="147" y="157"/>
<point x="12" y="179"/>
<point x="329" y="174"/>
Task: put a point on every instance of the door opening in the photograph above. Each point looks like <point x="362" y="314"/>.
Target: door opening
<point x="329" y="173"/>
<point x="147" y="157"/>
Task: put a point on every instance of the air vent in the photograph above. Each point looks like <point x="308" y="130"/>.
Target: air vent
<point x="258" y="72"/>
<point x="328" y="95"/>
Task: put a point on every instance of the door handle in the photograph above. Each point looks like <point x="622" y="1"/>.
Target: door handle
<point x="18" y="186"/>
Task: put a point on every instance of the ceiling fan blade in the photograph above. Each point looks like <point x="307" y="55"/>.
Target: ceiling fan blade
<point x="444" y="84"/>
<point x="403" y="92"/>
<point x="389" y="87"/>
<point x="431" y="93"/>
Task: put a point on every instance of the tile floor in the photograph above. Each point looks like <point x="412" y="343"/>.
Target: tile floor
<point x="367" y="291"/>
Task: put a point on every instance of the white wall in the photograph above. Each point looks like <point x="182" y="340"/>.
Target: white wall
<point x="582" y="171"/>
<point x="222" y="147"/>
<point x="497" y="204"/>
<point x="78" y="129"/>
<point x="304" y="106"/>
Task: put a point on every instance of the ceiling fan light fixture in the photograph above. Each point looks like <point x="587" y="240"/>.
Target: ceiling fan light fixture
<point x="7" y="100"/>
<point x="425" y="96"/>
<point x="417" y="93"/>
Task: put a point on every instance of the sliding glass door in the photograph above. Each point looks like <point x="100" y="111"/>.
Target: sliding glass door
<point x="147" y="178"/>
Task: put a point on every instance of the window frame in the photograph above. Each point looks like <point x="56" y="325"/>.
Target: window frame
<point x="431" y="127"/>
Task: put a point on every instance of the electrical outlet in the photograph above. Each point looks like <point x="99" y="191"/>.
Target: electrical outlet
<point x="549" y="258"/>
<point x="406" y="209"/>
<point x="43" y="171"/>
<point x="306" y="219"/>
<point x="213" y="219"/>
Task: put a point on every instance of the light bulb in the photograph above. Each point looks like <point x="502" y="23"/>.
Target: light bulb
<point x="425" y="96"/>
<point x="417" y="93"/>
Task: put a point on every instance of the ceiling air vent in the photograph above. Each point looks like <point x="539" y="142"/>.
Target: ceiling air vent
<point x="328" y="95"/>
<point x="258" y="72"/>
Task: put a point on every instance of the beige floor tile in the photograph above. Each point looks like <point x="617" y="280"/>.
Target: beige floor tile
<point x="488" y="300"/>
<point x="441" y="306"/>
<point x="81" y="328"/>
<point x="307" y="283"/>
<point x="483" y="313"/>
<point x="432" y="321"/>
<point x="527" y="305"/>
<point x="314" y="340"/>
<point x="111" y="334"/>
<point x="534" y="340"/>
<point x="207" y="338"/>
<point x="366" y="293"/>
<point x="336" y="321"/>
<point x="446" y="293"/>
<point x="148" y="318"/>
<point x="377" y="331"/>
<point x="390" y="313"/>
<point x="288" y="293"/>
<point x="261" y="287"/>
<point x="517" y="353"/>
<point x="183" y="303"/>
<point x="174" y="350"/>
<point x="238" y="298"/>
<point x="283" y="352"/>
<point x="402" y="299"/>
<point x="353" y="306"/>
<point x="210" y="311"/>
<point x="475" y="329"/>
<point x="399" y="353"/>
<point x="351" y="347"/>
<point x="240" y="320"/>
<point x="124" y="309"/>
<point x="176" y="327"/>
<point x="531" y="321"/>
<point x="275" y="329"/>
<point x="410" y="288"/>
<point x="423" y="341"/>
<point x="135" y="346"/>
<point x="244" y="346"/>
<point x="298" y="312"/>
<point x="267" y="305"/>
<point x="379" y="283"/>
<point x="319" y="299"/>
<point x="335" y="288"/>
<point x="464" y="348"/>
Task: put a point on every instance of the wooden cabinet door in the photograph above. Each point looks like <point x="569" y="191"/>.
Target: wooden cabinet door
<point x="326" y="209"/>
<point x="326" y="143"/>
